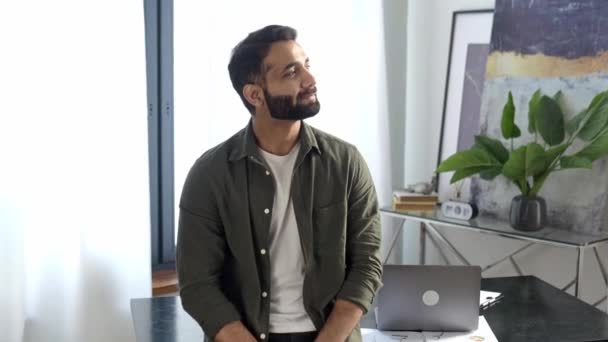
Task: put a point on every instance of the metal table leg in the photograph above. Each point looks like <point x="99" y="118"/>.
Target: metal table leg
<point x="492" y="265"/>
<point x="399" y="230"/>
<point x="432" y="230"/>
<point x="439" y="249"/>
<point x="604" y="275"/>
<point x="579" y="272"/>
<point x="516" y="266"/>
<point x="422" y="258"/>
<point x="569" y="285"/>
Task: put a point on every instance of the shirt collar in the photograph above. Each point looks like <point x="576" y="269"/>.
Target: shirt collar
<point x="246" y="143"/>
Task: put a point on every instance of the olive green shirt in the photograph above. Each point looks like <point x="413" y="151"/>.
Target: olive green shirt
<point x="224" y="220"/>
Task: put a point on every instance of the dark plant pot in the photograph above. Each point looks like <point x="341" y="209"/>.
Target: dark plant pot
<point x="528" y="213"/>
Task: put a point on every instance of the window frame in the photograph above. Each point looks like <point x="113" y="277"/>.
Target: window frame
<point x="158" y="16"/>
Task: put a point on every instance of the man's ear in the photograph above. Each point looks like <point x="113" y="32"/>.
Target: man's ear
<point x="253" y="94"/>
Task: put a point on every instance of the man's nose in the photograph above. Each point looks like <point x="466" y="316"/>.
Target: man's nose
<point x="308" y="80"/>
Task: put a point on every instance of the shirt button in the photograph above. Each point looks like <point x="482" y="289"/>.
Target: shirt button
<point x="266" y="211"/>
<point x="263" y="336"/>
<point x="263" y="251"/>
<point x="264" y="294"/>
<point x="267" y="173"/>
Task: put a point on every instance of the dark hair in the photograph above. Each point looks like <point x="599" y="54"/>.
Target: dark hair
<point x="246" y="60"/>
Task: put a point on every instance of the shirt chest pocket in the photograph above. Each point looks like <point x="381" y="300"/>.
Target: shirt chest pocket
<point x="329" y="227"/>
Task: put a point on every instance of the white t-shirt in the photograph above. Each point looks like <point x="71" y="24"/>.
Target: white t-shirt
<point x="287" y="313"/>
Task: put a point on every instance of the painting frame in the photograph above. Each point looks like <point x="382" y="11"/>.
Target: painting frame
<point x="468" y="27"/>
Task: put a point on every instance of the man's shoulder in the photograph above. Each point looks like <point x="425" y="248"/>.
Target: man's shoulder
<point x="207" y="175"/>
<point x="216" y="158"/>
<point x="333" y="145"/>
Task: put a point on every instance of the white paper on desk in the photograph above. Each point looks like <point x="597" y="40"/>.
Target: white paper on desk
<point x="487" y="297"/>
<point x="483" y="333"/>
<point x="373" y="335"/>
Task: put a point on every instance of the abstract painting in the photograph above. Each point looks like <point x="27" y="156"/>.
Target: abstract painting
<point x="475" y="69"/>
<point x="552" y="45"/>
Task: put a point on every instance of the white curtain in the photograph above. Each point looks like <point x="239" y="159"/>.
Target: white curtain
<point x="74" y="198"/>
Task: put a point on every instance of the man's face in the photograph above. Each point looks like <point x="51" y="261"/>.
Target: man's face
<point x="290" y="90"/>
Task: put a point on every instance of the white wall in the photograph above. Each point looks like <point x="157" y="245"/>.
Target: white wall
<point x="396" y="56"/>
<point x="429" y="26"/>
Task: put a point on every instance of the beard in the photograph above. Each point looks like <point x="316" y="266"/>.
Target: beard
<point x="282" y="107"/>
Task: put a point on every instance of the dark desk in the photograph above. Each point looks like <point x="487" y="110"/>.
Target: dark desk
<point x="531" y="310"/>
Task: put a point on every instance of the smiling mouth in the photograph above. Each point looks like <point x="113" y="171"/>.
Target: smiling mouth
<point x="308" y="97"/>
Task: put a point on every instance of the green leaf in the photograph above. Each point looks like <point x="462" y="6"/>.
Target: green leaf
<point x="533" y="111"/>
<point x="588" y="128"/>
<point x="574" y="162"/>
<point x="515" y="167"/>
<point x="490" y="174"/>
<point x="492" y="146"/>
<point x="597" y="149"/>
<point x="552" y="153"/>
<point x="516" y="131"/>
<point x="573" y="124"/>
<point x="464" y="173"/>
<point x="536" y="163"/>
<point x="467" y="159"/>
<point x="598" y="99"/>
<point x="557" y="96"/>
<point x="550" y="121"/>
<point x="538" y="183"/>
<point x="526" y="161"/>
<point x="508" y="127"/>
<point x="598" y="118"/>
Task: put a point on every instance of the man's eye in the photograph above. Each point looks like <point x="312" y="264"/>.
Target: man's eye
<point x="290" y="73"/>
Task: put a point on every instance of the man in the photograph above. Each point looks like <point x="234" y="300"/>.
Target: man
<point x="279" y="233"/>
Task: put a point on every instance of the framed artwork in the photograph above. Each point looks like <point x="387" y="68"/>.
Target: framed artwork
<point x="468" y="53"/>
<point x="551" y="45"/>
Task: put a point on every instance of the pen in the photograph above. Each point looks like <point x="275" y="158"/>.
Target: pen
<point x="490" y="300"/>
<point x="490" y="304"/>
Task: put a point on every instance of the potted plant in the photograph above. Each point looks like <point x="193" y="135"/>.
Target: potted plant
<point x="528" y="166"/>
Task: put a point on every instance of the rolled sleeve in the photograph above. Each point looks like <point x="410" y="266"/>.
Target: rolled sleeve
<point x="364" y="265"/>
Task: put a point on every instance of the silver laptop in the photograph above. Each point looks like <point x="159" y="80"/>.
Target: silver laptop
<point x="430" y="298"/>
